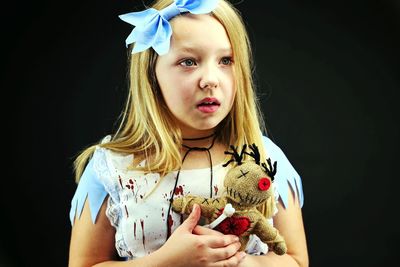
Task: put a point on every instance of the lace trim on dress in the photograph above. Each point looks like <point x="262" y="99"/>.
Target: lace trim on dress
<point x="108" y="175"/>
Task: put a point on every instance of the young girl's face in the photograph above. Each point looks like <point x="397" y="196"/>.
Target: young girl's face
<point x="196" y="76"/>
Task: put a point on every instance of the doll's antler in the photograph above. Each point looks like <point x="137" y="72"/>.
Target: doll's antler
<point x="235" y="155"/>
<point x="270" y="170"/>
<point x="255" y="154"/>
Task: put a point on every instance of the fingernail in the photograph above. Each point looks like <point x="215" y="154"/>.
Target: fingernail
<point x="242" y="254"/>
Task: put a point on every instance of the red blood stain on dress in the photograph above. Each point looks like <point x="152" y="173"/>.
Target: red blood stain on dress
<point x="143" y="237"/>
<point x="178" y="190"/>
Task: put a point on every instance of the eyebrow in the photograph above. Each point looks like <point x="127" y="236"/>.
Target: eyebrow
<point x="196" y="49"/>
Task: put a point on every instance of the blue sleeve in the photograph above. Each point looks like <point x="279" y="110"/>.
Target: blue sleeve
<point x="91" y="188"/>
<point x="286" y="176"/>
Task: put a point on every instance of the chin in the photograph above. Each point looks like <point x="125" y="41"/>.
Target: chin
<point x="198" y="128"/>
<point x="201" y="124"/>
<point x="208" y="126"/>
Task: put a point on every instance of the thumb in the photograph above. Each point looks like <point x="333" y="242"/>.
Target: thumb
<point x="191" y="221"/>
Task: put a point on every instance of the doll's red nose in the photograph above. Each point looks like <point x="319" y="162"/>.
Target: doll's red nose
<point x="264" y="184"/>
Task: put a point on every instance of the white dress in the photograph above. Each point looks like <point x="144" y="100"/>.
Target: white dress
<point x="138" y="203"/>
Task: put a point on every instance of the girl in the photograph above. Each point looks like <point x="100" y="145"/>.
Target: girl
<point x="191" y="96"/>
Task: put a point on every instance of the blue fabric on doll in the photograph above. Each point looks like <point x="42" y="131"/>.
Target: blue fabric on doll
<point x="91" y="187"/>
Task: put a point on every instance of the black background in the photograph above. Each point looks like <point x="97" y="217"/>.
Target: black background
<point x="328" y="79"/>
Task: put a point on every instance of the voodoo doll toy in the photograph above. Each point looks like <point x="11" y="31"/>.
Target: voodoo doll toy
<point x="248" y="184"/>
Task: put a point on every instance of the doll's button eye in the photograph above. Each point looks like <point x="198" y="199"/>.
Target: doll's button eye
<point x="264" y="184"/>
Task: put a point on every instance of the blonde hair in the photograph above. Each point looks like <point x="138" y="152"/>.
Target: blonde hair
<point x="147" y="127"/>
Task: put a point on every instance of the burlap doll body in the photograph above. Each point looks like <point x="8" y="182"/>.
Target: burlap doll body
<point x="247" y="185"/>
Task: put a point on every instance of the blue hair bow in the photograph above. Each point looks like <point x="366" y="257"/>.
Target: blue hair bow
<point x="152" y="28"/>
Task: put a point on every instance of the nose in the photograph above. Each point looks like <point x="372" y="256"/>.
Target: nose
<point x="209" y="77"/>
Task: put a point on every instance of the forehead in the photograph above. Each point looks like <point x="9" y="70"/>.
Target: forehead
<point x="199" y="32"/>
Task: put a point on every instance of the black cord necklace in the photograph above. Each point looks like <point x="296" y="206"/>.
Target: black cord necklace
<point x="169" y="218"/>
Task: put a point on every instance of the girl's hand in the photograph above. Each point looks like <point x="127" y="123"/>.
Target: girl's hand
<point x="193" y="245"/>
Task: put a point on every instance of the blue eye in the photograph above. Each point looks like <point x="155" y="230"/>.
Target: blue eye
<point x="188" y="62"/>
<point x="226" y="61"/>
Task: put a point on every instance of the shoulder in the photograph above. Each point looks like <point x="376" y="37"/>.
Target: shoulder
<point x="286" y="179"/>
<point x="97" y="180"/>
<point x="109" y="158"/>
<point x="273" y="150"/>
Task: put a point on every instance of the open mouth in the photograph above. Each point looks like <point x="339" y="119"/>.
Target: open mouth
<point x="208" y="105"/>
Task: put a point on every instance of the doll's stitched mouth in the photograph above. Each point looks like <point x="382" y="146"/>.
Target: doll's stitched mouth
<point x="250" y="200"/>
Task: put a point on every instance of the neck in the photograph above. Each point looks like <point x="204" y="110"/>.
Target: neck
<point x="198" y="138"/>
<point x="189" y="133"/>
<point x="199" y="141"/>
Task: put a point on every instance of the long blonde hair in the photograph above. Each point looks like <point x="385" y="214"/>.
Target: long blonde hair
<point x="146" y="126"/>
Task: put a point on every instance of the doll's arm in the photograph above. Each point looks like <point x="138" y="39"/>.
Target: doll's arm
<point x="270" y="235"/>
<point x="208" y="206"/>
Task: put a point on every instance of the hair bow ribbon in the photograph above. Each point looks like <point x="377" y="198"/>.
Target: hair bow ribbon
<point x="152" y="28"/>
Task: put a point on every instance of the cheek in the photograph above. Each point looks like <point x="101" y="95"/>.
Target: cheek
<point x="231" y="94"/>
<point x="184" y="87"/>
<point x="176" y="94"/>
<point x="229" y="85"/>
<point x="168" y="88"/>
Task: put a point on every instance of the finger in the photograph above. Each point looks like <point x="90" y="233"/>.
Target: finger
<point x="200" y="230"/>
<point x="233" y="261"/>
<point x="191" y="221"/>
<point x="223" y="253"/>
<point x="214" y="241"/>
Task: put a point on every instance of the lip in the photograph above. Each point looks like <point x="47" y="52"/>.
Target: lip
<point x="210" y="108"/>
<point x="209" y="99"/>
